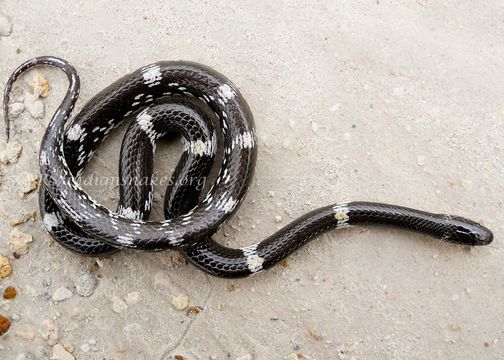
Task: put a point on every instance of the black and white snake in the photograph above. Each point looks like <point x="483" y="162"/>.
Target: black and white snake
<point x="192" y="100"/>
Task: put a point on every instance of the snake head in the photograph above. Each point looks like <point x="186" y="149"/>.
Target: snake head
<point x="468" y="232"/>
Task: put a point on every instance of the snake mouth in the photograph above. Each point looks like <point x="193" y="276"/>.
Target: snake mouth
<point x="471" y="233"/>
<point x="485" y="237"/>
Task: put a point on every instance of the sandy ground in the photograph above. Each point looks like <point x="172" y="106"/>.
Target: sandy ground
<point x="398" y="101"/>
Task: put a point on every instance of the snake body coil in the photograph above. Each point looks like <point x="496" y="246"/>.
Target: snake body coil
<point x="192" y="100"/>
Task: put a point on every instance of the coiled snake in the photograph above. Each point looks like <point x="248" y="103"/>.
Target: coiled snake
<point x="192" y="100"/>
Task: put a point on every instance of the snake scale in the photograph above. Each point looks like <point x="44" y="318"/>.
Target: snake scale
<point x="215" y="121"/>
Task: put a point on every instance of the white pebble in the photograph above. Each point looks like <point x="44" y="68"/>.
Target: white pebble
<point x="15" y="109"/>
<point x="19" y="242"/>
<point x="5" y="26"/>
<point x="35" y="107"/>
<point x="335" y="107"/>
<point x="421" y="160"/>
<point x="118" y="305"/>
<point x="132" y="298"/>
<point x="27" y="183"/>
<point x="292" y="356"/>
<point x="278" y="219"/>
<point x="85" y="284"/>
<point x="61" y="294"/>
<point x="180" y="302"/>
<point x="11" y="153"/>
<point x="59" y="353"/>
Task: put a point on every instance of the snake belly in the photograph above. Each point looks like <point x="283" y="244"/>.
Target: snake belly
<point x="194" y="101"/>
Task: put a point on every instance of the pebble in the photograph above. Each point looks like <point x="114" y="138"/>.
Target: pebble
<point x="85" y="348"/>
<point x="335" y="107"/>
<point x="271" y="193"/>
<point x="61" y="294"/>
<point x="26" y="335"/>
<point x="5" y="267"/>
<point x="180" y="302"/>
<point x="16" y="109"/>
<point x="293" y="356"/>
<point x="118" y="305"/>
<point x="133" y="298"/>
<point x="278" y="219"/>
<point x="39" y="86"/>
<point x="25" y="216"/>
<point x="85" y="284"/>
<point x="9" y="292"/>
<point x="421" y="160"/>
<point x="5" y="26"/>
<point x="19" y="242"/>
<point x="35" y="107"/>
<point x="28" y="182"/>
<point x="50" y="332"/>
<point x="4" y="325"/>
<point x="59" y="353"/>
<point x="11" y="153"/>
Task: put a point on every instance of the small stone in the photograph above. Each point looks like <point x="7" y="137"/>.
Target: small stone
<point x="11" y="153"/>
<point x="5" y="26"/>
<point x="294" y="356"/>
<point x="28" y="182"/>
<point x="421" y="160"/>
<point x="49" y="332"/>
<point x="26" y="335"/>
<point x="9" y="292"/>
<point x="118" y="305"/>
<point x="16" y="109"/>
<point x="25" y="216"/>
<point x="194" y="310"/>
<point x="39" y="86"/>
<point x="180" y="302"/>
<point x="132" y="298"/>
<point x="271" y="193"/>
<point x="61" y="294"/>
<point x="4" y="325"/>
<point x="5" y="267"/>
<point x="19" y="242"/>
<point x="315" y="335"/>
<point x="335" y="107"/>
<point x="59" y="353"/>
<point x="35" y="107"/>
<point x="278" y="219"/>
<point x="85" y="284"/>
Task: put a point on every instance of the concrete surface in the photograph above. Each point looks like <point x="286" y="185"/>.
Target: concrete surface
<point x="398" y="101"/>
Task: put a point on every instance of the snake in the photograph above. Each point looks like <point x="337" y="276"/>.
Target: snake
<point x="217" y="127"/>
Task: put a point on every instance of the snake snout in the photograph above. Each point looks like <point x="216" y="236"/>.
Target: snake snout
<point x="468" y="232"/>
